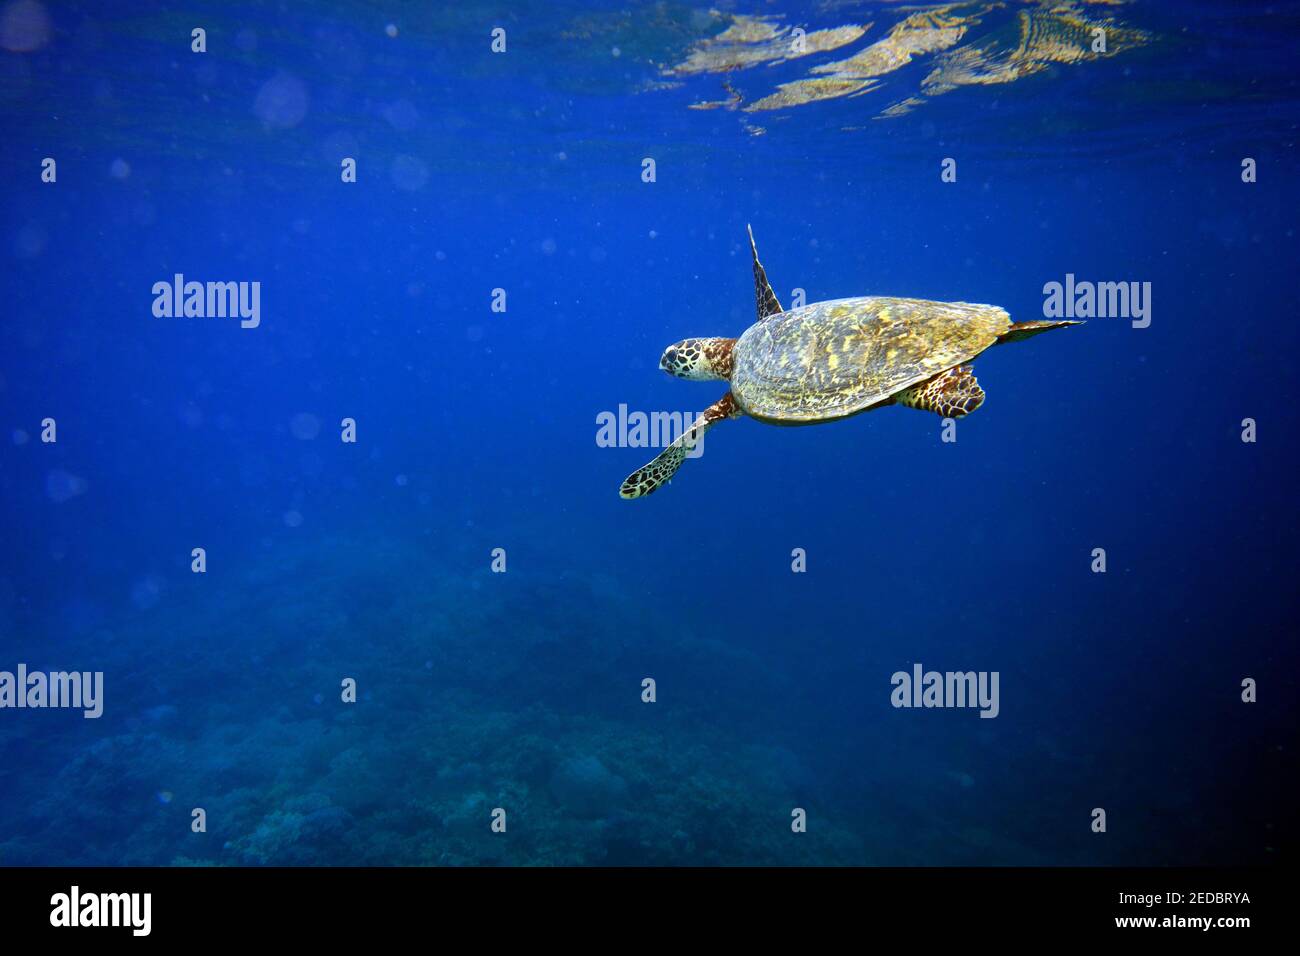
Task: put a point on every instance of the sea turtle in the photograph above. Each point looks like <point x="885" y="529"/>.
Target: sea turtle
<point x="833" y="359"/>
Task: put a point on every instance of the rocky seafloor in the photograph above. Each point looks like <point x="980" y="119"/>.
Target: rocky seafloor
<point x="469" y="698"/>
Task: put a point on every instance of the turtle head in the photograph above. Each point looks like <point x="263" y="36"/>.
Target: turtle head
<point x="699" y="360"/>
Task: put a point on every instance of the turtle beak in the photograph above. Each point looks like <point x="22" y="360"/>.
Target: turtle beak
<point x="668" y="360"/>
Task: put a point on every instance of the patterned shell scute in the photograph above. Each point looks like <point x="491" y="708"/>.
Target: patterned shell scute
<point x="832" y="359"/>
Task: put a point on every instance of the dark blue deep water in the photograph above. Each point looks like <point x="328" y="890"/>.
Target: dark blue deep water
<point x="476" y="429"/>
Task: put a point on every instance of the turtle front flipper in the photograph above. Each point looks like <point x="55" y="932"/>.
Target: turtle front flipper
<point x="648" y="478"/>
<point x="952" y="394"/>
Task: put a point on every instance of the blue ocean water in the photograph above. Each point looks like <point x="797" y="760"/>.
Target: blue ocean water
<point x="520" y="175"/>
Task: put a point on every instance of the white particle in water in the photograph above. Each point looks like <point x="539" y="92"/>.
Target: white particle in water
<point x="281" y="103"/>
<point x="61" y="486"/>
<point x="304" y="426"/>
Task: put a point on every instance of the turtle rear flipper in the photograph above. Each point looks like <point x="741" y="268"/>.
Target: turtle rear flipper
<point x="1019" y="331"/>
<point x="650" y="477"/>
<point x="953" y="394"/>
